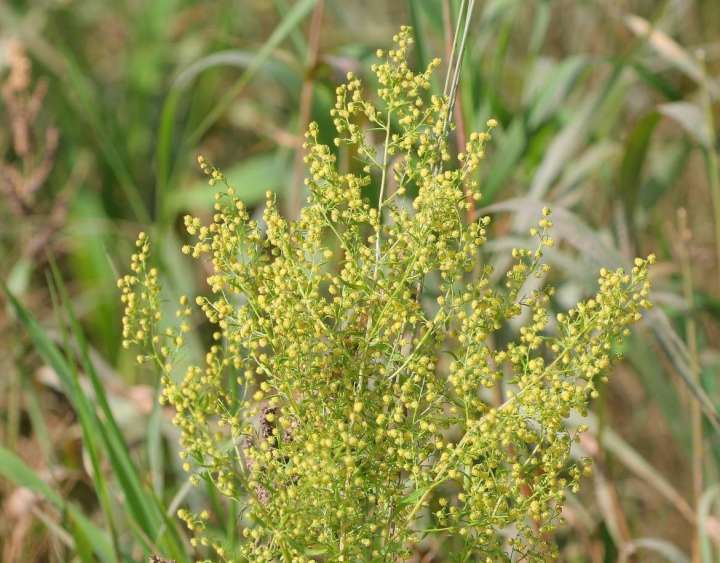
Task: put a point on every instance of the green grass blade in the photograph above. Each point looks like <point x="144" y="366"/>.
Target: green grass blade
<point x="564" y="146"/>
<point x="142" y="505"/>
<point x="667" y="48"/>
<point x="83" y="547"/>
<point x="656" y="81"/>
<point x="666" y="167"/>
<point x="163" y="152"/>
<point x="93" y="430"/>
<point x="296" y="36"/>
<point x="35" y="413"/>
<point x="82" y="99"/>
<point x="631" y="168"/>
<point x="145" y="507"/>
<point x="542" y="17"/>
<point x="668" y="551"/>
<point x="555" y="89"/>
<point x="420" y="47"/>
<point x="15" y="470"/>
<point x="690" y="117"/>
<point x="251" y="178"/>
<point x="511" y="146"/>
<point x="289" y="22"/>
<point x="677" y="352"/>
<point x="83" y="409"/>
<point x="155" y="450"/>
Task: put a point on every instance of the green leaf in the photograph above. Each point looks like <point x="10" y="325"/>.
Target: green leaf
<point x="83" y="547"/>
<point x="677" y="352"/>
<point x="540" y="26"/>
<point x="413" y="497"/>
<point x="69" y="380"/>
<point x="278" y="71"/>
<point x="510" y="147"/>
<point x="560" y="151"/>
<point x="251" y="178"/>
<point x="669" y="551"/>
<point x="88" y="260"/>
<point x="656" y="81"/>
<point x="555" y="89"/>
<point x="420" y="47"/>
<point x="636" y="149"/>
<point x="667" y="48"/>
<point x="252" y="63"/>
<point x="145" y="507"/>
<point x="601" y="154"/>
<point x="19" y="276"/>
<point x="155" y="449"/>
<point x="15" y="470"/>
<point x="666" y="165"/>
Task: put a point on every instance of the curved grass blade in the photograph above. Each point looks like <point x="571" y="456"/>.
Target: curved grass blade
<point x="287" y="25"/>
<point x="704" y="507"/>
<point x="669" y="551"/>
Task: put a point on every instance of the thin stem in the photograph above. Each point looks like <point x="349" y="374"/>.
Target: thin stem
<point x="453" y="49"/>
<point x="382" y="193"/>
<point x="460" y="136"/>
<point x="691" y="335"/>
<point x="458" y="63"/>
<point x="443" y="470"/>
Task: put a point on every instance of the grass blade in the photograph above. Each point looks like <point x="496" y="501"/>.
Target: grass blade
<point x="87" y="419"/>
<point x="667" y="48"/>
<point x="709" y="497"/>
<point x="251" y="178"/>
<point x="636" y="150"/>
<point x="145" y="506"/>
<point x="16" y="471"/>
<point x="555" y="89"/>
<point x="691" y="118"/>
<point x="291" y="20"/>
<point x="669" y="551"/>
<point x="141" y="503"/>
<point x="678" y="354"/>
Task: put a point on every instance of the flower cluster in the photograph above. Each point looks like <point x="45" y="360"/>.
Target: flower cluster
<point x="362" y="390"/>
<point x="141" y="319"/>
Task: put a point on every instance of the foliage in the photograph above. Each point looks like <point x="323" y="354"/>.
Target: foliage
<point x="607" y="113"/>
<point x="345" y="416"/>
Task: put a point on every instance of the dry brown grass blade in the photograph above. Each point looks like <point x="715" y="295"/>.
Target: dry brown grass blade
<point x="609" y="441"/>
<point x="611" y="508"/>
<point x="667" y="48"/>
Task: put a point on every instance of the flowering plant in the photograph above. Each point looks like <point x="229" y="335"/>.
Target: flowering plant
<point x="355" y="400"/>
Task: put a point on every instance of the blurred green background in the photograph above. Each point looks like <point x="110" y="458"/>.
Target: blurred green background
<point x="608" y="112"/>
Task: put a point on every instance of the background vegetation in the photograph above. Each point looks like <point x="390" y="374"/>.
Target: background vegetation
<point x="608" y="112"/>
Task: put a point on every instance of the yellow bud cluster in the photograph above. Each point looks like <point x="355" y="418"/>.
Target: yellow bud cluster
<point x="334" y="400"/>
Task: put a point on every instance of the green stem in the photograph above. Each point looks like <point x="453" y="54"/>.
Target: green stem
<point x="382" y="192"/>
